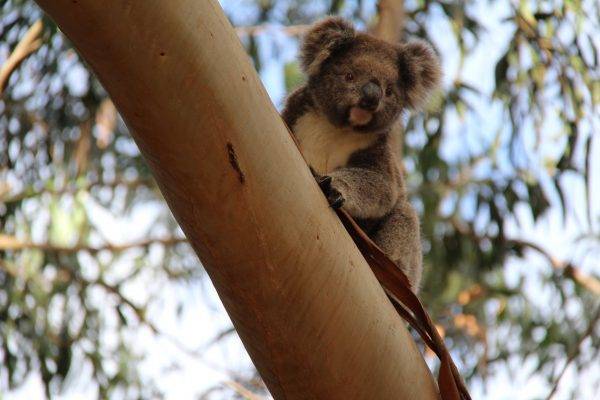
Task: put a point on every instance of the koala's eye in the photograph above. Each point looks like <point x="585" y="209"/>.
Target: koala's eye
<point x="388" y="90"/>
<point x="349" y="77"/>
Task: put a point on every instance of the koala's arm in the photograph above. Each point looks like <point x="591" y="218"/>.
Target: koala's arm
<point x="296" y="105"/>
<point x="369" y="185"/>
<point x="367" y="193"/>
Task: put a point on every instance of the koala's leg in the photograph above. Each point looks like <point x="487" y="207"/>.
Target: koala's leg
<point x="364" y="193"/>
<point x="399" y="236"/>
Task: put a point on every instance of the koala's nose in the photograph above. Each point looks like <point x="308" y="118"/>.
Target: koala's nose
<point x="371" y="94"/>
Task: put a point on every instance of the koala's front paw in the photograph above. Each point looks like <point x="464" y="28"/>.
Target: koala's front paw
<point x="334" y="197"/>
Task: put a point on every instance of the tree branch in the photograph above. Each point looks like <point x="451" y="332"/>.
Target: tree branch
<point x="11" y="243"/>
<point x="572" y="272"/>
<point x="390" y="20"/>
<point x="6" y="197"/>
<point x="254" y="30"/>
<point x="568" y="270"/>
<point x="28" y="45"/>
<point x="389" y="26"/>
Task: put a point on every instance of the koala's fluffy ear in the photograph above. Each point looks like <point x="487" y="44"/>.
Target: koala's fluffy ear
<point x="322" y="40"/>
<point x="419" y="72"/>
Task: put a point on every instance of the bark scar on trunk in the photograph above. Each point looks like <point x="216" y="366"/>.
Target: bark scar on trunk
<point x="234" y="162"/>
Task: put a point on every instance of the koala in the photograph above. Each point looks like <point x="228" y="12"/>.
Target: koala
<point x="346" y="120"/>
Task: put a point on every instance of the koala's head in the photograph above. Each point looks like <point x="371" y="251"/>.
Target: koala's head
<point x="360" y="81"/>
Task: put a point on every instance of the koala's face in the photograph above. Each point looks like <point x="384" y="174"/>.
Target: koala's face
<point x="358" y="87"/>
<point x="360" y="81"/>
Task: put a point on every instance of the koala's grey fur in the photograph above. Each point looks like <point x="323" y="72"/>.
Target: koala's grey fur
<point x="356" y="146"/>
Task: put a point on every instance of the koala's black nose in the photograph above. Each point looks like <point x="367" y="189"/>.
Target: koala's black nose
<point x="371" y="94"/>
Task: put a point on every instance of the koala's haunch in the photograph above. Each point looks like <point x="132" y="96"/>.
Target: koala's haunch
<point x="346" y="119"/>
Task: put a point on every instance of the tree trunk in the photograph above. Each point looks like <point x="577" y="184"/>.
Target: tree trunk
<point x="390" y="20"/>
<point x="310" y="312"/>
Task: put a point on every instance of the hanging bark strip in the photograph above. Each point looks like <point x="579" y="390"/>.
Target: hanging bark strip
<point x="408" y="305"/>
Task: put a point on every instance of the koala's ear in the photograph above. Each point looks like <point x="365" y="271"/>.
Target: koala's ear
<point x="419" y="72"/>
<point x="324" y="38"/>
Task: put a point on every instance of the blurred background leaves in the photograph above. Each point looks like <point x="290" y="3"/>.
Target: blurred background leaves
<point x="502" y="167"/>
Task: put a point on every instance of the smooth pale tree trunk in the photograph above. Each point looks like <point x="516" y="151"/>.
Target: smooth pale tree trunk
<point x="391" y="17"/>
<point x="311" y="314"/>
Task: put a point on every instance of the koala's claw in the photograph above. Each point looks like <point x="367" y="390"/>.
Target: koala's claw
<point x="335" y="198"/>
<point x="324" y="183"/>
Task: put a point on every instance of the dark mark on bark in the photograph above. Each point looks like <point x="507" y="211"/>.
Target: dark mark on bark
<point x="234" y="163"/>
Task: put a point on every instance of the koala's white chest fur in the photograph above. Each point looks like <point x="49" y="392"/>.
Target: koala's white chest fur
<point x="325" y="146"/>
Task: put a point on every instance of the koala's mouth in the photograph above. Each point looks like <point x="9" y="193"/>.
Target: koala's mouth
<point x="359" y="116"/>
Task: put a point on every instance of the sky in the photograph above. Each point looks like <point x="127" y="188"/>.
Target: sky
<point x="203" y="316"/>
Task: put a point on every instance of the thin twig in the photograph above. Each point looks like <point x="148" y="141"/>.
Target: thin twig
<point x="140" y="312"/>
<point x="574" y="353"/>
<point x="568" y="270"/>
<point x="28" y="45"/>
<point x="219" y="337"/>
<point x="242" y="391"/>
<point x="589" y="282"/>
